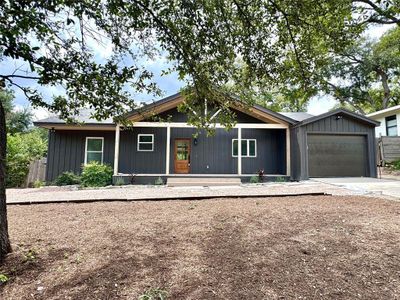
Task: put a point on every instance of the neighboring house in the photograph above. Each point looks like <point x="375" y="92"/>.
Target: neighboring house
<point x="389" y="119"/>
<point x="296" y="145"/>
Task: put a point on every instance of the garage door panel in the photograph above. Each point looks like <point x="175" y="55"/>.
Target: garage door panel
<point x="337" y="155"/>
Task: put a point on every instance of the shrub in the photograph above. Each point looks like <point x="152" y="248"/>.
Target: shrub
<point x="254" y="179"/>
<point x="396" y="165"/>
<point x="67" y="178"/>
<point x="159" y="181"/>
<point x="280" y="179"/>
<point x="154" y="294"/>
<point x="38" y="184"/>
<point x="22" y="149"/>
<point x="95" y="174"/>
<point x="120" y="181"/>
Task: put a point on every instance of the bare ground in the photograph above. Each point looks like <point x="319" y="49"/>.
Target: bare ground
<point x="262" y="248"/>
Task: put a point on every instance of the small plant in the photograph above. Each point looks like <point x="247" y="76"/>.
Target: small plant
<point x="38" y="184"/>
<point x="254" y="179"/>
<point x="396" y="165"/>
<point x="159" y="181"/>
<point x="154" y="294"/>
<point x="120" y="181"/>
<point x="96" y="175"/>
<point x="280" y="179"/>
<point x="67" y="178"/>
<point x="260" y="175"/>
<point x="4" y="278"/>
<point x="30" y="255"/>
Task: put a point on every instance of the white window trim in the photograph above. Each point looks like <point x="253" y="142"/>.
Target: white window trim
<point x="138" y="142"/>
<point x="248" y="148"/>
<point x="102" y="147"/>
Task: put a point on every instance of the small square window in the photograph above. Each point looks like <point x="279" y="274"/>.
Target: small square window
<point x="145" y="142"/>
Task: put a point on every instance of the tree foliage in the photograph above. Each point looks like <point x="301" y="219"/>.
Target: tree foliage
<point x="366" y="75"/>
<point x="279" y="41"/>
<point x="16" y="120"/>
<point x="22" y="149"/>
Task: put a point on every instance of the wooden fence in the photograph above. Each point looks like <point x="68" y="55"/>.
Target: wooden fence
<point x="37" y="171"/>
<point x="388" y="149"/>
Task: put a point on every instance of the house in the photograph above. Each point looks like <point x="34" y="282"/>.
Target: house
<point x="294" y="145"/>
<point x="389" y="119"/>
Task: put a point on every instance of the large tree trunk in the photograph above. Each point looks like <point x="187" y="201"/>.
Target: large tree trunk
<point x="386" y="89"/>
<point x="5" y="246"/>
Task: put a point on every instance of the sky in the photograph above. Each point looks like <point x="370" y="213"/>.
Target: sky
<point x="169" y="84"/>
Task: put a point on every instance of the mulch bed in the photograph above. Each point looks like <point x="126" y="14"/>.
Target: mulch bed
<point x="259" y="248"/>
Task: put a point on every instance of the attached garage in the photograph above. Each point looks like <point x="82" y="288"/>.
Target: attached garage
<point x="336" y="144"/>
<point x="331" y="155"/>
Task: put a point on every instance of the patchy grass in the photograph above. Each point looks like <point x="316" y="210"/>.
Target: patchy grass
<point x="262" y="248"/>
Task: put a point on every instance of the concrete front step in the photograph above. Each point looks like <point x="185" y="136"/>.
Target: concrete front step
<point x="202" y="181"/>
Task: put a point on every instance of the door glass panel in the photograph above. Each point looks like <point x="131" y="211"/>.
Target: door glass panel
<point x="182" y="151"/>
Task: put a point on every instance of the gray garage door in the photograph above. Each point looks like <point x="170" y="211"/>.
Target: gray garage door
<point x="337" y="155"/>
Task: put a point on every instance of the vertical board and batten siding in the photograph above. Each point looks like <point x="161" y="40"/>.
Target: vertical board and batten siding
<point x="213" y="154"/>
<point x="173" y="115"/>
<point x="66" y="150"/>
<point x="329" y="125"/>
<point x="132" y="161"/>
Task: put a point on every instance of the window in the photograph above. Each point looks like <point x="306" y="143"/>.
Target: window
<point x="145" y="142"/>
<point x="249" y="148"/>
<point x="94" y="149"/>
<point x="391" y="126"/>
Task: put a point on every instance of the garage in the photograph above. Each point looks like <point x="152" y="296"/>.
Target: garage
<point x="333" y="155"/>
<point x="338" y="143"/>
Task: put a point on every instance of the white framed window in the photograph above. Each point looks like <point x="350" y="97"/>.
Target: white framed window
<point x="249" y="148"/>
<point x="145" y="142"/>
<point x="94" y="148"/>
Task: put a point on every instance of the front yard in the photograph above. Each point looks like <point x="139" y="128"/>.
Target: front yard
<point x="263" y="248"/>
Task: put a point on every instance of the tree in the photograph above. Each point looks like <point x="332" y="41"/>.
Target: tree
<point x="366" y="75"/>
<point x="277" y="40"/>
<point x="16" y="120"/>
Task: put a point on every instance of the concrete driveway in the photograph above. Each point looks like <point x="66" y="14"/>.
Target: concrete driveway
<point x="386" y="187"/>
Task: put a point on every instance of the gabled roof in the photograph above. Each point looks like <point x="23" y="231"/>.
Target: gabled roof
<point x="382" y="112"/>
<point x="171" y="102"/>
<point x="297" y="116"/>
<point x="174" y="100"/>
<point x="342" y="112"/>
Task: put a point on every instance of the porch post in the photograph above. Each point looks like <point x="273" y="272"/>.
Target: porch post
<point x="288" y="152"/>
<point x="239" y="150"/>
<point x="116" y="150"/>
<point x="168" y="150"/>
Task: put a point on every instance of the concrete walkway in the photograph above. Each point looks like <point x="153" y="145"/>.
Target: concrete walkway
<point x="129" y="193"/>
<point x="366" y="185"/>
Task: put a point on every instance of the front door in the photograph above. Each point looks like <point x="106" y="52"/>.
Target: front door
<point x="182" y="156"/>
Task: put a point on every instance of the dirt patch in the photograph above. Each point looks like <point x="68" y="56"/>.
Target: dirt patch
<point x="260" y="248"/>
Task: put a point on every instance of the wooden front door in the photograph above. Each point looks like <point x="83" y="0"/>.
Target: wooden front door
<point x="182" y="156"/>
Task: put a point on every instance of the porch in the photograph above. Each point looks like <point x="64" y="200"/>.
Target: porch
<point x="174" y="151"/>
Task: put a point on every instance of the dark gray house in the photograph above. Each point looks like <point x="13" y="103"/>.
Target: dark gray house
<point x="296" y="145"/>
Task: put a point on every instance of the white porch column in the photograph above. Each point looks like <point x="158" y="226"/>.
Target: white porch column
<point x="288" y="152"/>
<point x="239" y="151"/>
<point x="168" y="150"/>
<point x="116" y="149"/>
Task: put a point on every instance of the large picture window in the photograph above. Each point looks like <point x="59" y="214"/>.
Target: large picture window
<point x="145" y="142"/>
<point x="249" y="148"/>
<point x="94" y="149"/>
<point x="391" y="126"/>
